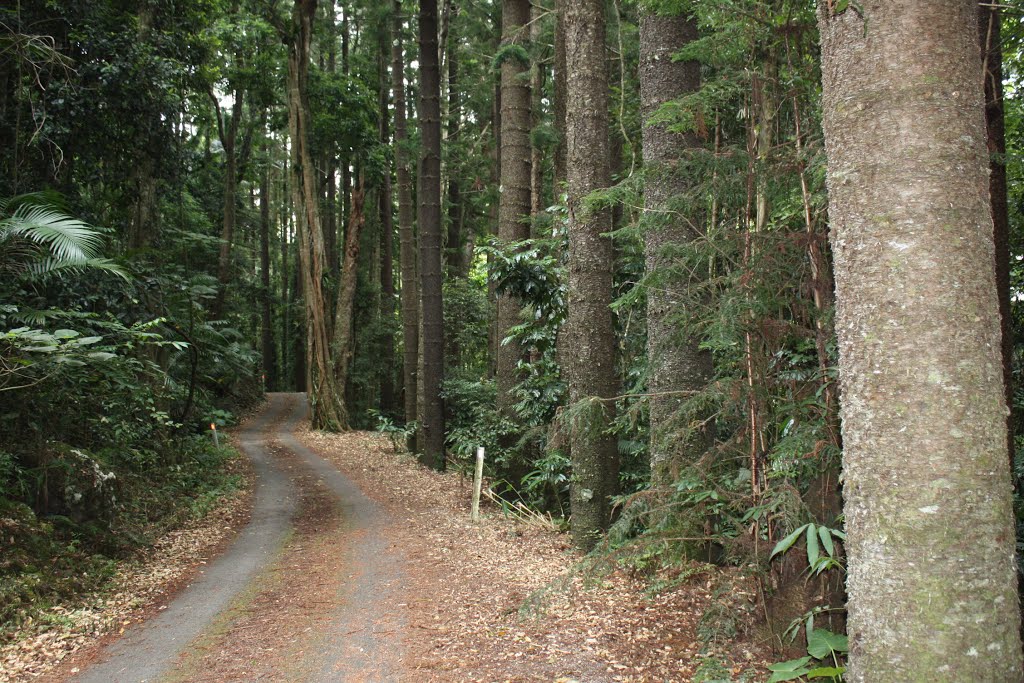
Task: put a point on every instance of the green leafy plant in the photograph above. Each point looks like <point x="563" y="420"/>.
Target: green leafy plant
<point x="818" y="538"/>
<point x="824" y="651"/>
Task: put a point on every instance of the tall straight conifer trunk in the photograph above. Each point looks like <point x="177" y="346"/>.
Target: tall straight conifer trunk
<point x="406" y="234"/>
<point x="591" y="336"/>
<point x="931" y="577"/>
<point x="429" y="222"/>
<point x="514" y="196"/>
<point x="676" y="365"/>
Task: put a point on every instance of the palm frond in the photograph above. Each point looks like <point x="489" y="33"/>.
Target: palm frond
<point x="51" y="266"/>
<point x="68" y="238"/>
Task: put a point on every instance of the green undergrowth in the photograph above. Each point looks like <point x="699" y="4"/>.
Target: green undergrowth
<point x="48" y="559"/>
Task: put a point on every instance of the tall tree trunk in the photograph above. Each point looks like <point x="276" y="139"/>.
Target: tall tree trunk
<point x="559" y="99"/>
<point x="456" y="260"/>
<point x="269" y="354"/>
<point x="407" y="237"/>
<point x="677" y="367"/>
<point x="325" y="396"/>
<point x="536" y="116"/>
<point x="990" y="32"/>
<point x="591" y="336"/>
<point x="387" y="236"/>
<point x="228" y="133"/>
<point x="931" y="578"/>
<point x="143" y="181"/>
<point x="429" y="222"/>
<point x="514" y="198"/>
<point x="284" y="221"/>
<point x="341" y="340"/>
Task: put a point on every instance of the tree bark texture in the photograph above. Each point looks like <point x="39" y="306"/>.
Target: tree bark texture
<point x="325" y="396"/>
<point x="407" y="237"/>
<point x="676" y="365"/>
<point x="990" y="33"/>
<point x="514" y="186"/>
<point x="931" y="576"/>
<point x="591" y="335"/>
<point x="429" y="222"/>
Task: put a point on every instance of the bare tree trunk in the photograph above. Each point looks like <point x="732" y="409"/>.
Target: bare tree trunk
<point x="677" y="367"/>
<point x="931" y="578"/>
<point x="269" y="355"/>
<point x="559" y="99"/>
<point x="591" y="335"/>
<point x="456" y="260"/>
<point x="341" y="340"/>
<point x="536" y="93"/>
<point x="325" y="396"/>
<point x="514" y="198"/>
<point x="387" y="236"/>
<point x="407" y="237"/>
<point x="228" y="133"/>
<point x="429" y="223"/>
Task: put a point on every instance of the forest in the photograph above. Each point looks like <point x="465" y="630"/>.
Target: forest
<point x="726" y="292"/>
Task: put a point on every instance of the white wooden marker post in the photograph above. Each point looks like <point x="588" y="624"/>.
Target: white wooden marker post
<point x="213" y="428"/>
<point x="478" y="480"/>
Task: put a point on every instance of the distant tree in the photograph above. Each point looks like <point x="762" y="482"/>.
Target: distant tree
<point x="928" y="504"/>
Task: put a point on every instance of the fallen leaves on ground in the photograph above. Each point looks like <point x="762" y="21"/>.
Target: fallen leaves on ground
<point x="502" y="600"/>
<point x="139" y="586"/>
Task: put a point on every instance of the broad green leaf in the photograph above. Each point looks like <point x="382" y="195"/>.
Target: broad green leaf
<point x="832" y="672"/>
<point x="841" y="6"/>
<point x="812" y="545"/>
<point x="826" y="540"/>
<point x="65" y="334"/>
<point x="821" y="643"/>
<point x="787" y="543"/>
<point x="100" y="355"/>
<point x="788" y="671"/>
<point x="85" y="341"/>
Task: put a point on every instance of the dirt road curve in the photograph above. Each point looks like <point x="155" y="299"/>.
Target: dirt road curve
<point x="301" y="595"/>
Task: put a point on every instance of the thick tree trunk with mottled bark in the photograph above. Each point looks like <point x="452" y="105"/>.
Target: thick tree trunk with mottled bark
<point x="407" y="237"/>
<point x="929" y="517"/>
<point x="429" y="223"/>
<point x="325" y="396"/>
<point x="514" y="195"/>
<point x="589" y="326"/>
<point x="677" y="367"/>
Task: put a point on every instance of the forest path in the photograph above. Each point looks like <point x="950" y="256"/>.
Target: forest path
<point x="297" y="596"/>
